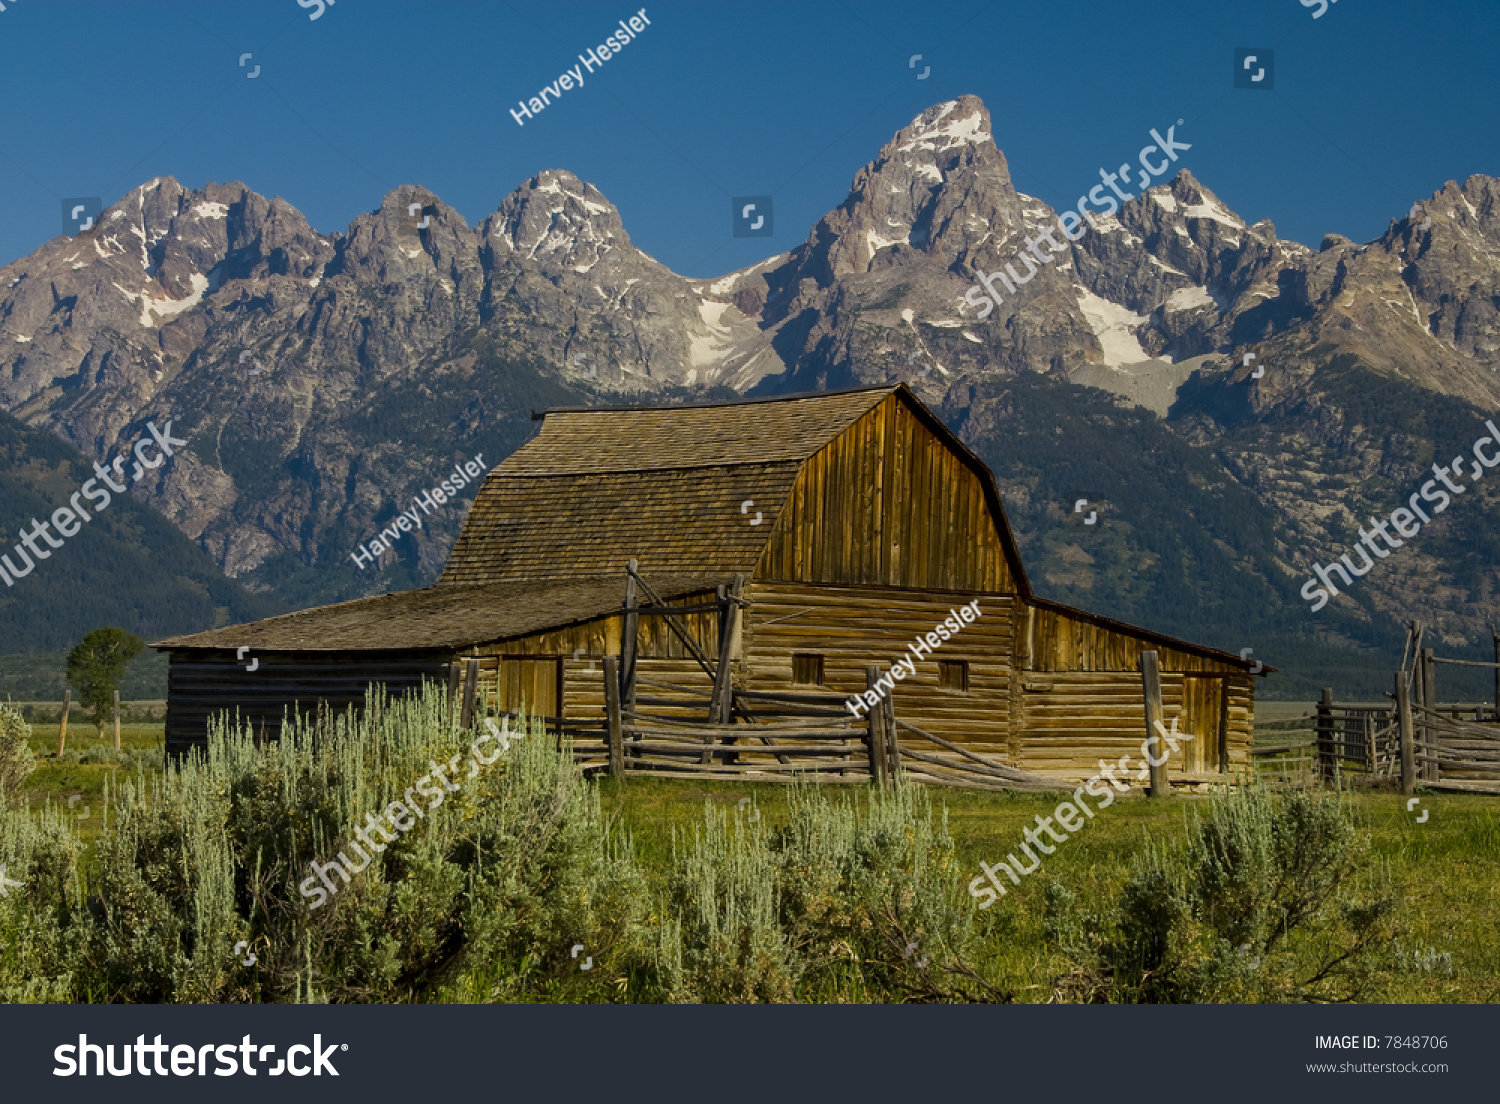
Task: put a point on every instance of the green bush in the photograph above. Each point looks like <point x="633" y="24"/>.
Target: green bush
<point x="1266" y="900"/>
<point x="16" y="758"/>
<point x="721" y="941"/>
<point x="39" y="919"/>
<point x="144" y="758"/>
<point x="206" y="864"/>
<point x="835" y="906"/>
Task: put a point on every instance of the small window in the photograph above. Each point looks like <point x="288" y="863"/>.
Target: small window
<point x="953" y="674"/>
<point x="807" y="670"/>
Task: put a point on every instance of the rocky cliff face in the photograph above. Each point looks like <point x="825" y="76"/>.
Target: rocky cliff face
<point x="323" y="379"/>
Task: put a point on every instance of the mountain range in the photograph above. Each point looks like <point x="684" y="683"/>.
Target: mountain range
<point x="1230" y="405"/>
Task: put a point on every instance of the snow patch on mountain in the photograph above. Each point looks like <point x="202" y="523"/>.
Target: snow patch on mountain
<point x="1212" y="209"/>
<point x="1115" y="328"/>
<point x="938" y="135"/>
<point x="158" y="309"/>
<point x="1190" y="298"/>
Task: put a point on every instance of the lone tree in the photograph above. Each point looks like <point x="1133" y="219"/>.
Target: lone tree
<point x="96" y="666"/>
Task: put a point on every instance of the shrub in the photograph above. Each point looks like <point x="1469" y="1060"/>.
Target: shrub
<point x="207" y="863"/>
<point x="835" y="906"/>
<point x="39" y="920"/>
<point x="872" y="901"/>
<point x="721" y="941"/>
<point x="1265" y="901"/>
<point x="144" y="759"/>
<point x="547" y="874"/>
<point x="16" y="758"/>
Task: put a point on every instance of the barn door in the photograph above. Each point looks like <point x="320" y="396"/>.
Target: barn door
<point x="530" y="682"/>
<point x="1202" y="715"/>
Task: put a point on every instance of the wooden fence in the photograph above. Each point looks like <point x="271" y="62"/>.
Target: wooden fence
<point x="1414" y="739"/>
<point x="779" y="736"/>
<point x="670" y="729"/>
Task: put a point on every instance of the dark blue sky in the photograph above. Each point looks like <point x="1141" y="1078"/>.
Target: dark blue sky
<point x="1375" y="104"/>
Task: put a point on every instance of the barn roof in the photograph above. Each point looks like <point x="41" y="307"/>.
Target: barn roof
<point x="442" y="616"/>
<point x="668" y="487"/>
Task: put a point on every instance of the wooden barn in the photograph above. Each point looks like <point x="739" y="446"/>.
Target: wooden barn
<point x="801" y="541"/>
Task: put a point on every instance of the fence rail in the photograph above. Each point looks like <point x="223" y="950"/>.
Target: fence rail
<point x="784" y="735"/>
<point x="1413" y="739"/>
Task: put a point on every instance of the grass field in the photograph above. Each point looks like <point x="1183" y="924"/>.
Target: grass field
<point x="1447" y="869"/>
<point x="87" y="763"/>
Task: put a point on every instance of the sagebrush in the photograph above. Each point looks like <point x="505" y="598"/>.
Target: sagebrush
<point x="1265" y="900"/>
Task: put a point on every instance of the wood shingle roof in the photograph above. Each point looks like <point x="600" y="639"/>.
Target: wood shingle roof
<point x="440" y="617"/>
<point x="666" y="486"/>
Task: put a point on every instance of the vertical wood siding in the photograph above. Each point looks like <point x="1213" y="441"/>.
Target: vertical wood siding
<point x="888" y="503"/>
<point x="662" y="655"/>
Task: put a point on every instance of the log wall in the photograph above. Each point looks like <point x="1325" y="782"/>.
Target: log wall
<point x="1049" y="692"/>
<point x="1080" y="698"/>
<point x="855" y="627"/>
<point x="202" y="682"/>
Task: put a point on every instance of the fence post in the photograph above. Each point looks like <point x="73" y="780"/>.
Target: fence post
<point x="1325" y="735"/>
<point x="721" y="706"/>
<point x="1418" y="698"/>
<point x="612" y="717"/>
<point x="1429" y="727"/>
<point x="892" y="741"/>
<point x="1403" y="722"/>
<point x="1224" y="725"/>
<point x="453" y="677"/>
<point x="630" y="625"/>
<point x="1418" y="680"/>
<point x="62" y="723"/>
<point x="117" y="720"/>
<point x="471" y="684"/>
<point x="1151" y="693"/>
<point x="876" y="719"/>
<point x="1496" y="637"/>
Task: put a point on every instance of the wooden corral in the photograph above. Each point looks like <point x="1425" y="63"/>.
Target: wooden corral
<point x="857" y="522"/>
<point x="1413" y="740"/>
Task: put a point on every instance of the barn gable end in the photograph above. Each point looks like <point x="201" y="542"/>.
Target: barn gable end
<point x="893" y="500"/>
